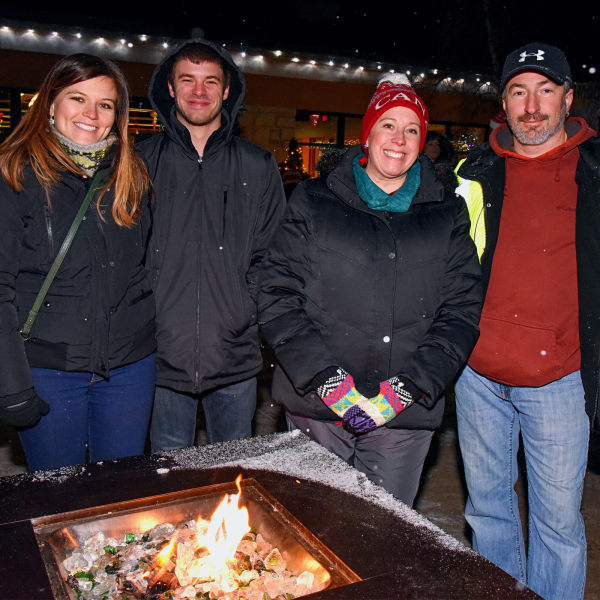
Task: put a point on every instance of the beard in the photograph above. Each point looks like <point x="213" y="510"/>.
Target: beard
<point x="542" y="133"/>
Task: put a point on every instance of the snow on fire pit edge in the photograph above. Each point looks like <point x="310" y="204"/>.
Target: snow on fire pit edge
<point x="296" y="455"/>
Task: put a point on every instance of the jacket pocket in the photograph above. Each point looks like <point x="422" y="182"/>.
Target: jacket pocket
<point x="516" y="354"/>
<point x="224" y="218"/>
<point x="134" y="313"/>
<point x="64" y="305"/>
<point x="141" y="297"/>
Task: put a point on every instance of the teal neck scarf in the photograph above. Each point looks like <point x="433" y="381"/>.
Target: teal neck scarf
<point x="377" y="199"/>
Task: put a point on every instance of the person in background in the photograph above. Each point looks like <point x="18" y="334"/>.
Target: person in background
<point x="218" y="201"/>
<point x="83" y="380"/>
<point x="441" y="151"/>
<point x="370" y="296"/>
<point x="329" y="160"/>
<point x="535" y="367"/>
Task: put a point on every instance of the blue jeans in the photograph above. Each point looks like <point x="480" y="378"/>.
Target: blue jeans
<point x="109" y="417"/>
<point x="555" y="431"/>
<point x="228" y="412"/>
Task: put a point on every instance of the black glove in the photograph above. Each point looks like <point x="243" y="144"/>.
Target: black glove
<point x="24" y="409"/>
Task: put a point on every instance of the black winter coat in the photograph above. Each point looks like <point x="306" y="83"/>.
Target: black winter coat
<point x="213" y="218"/>
<point x="486" y="167"/>
<point x="379" y="294"/>
<point x="99" y="312"/>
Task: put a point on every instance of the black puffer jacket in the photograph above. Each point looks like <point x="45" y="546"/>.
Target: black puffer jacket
<point x="486" y="167"/>
<point x="213" y="219"/>
<point x="379" y="294"/>
<point x="99" y="312"/>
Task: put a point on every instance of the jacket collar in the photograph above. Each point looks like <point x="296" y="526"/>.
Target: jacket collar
<point x="478" y="162"/>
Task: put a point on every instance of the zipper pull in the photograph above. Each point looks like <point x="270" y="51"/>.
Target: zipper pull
<point x="200" y="162"/>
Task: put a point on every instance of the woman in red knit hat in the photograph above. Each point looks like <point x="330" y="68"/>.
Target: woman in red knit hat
<point x="371" y="295"/>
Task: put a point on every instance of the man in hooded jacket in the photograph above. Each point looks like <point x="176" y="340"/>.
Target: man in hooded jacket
<point x="218" y="199"/>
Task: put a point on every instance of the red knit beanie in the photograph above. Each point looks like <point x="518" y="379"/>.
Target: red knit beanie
<point x="394" y="89"/>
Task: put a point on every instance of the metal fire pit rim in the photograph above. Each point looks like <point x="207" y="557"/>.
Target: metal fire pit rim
<point x="136" y="504"/>
<point x="42" y="526"/>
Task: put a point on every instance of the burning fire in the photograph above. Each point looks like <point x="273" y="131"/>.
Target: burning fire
<point x="163" y="556"/>
<point x="223" y="532"/>
<point x="195" y="559"/>
<point x="228" y="525"/>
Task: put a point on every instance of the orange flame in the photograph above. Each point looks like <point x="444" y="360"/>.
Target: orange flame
<point x="226" y="528"/>
<point x="163" y="556"/>
<point x="228" y="525"/>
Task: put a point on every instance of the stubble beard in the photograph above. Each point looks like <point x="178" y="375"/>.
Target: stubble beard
<point x="534" y="137"/>
<point x="198" y="120"/>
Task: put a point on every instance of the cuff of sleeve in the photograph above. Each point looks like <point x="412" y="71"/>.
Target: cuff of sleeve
<point x="18" y="398"/>
<point x="323" y="377"/>
<point x="406" y="390"/>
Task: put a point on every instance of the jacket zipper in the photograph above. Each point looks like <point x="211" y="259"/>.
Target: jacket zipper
<point x="49" y="231"/>
<point x="199" y="205"/>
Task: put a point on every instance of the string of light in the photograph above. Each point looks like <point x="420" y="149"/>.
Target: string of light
<point x="427" y="76"/>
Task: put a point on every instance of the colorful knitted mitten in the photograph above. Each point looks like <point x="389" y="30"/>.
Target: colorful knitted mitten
<point x="395" y="395"/>
<point x="336" y="388"/>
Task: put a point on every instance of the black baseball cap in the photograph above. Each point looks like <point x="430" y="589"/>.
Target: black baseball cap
<point x="537" y="57"/>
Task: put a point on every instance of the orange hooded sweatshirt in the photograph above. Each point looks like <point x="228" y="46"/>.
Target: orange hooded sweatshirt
<point x="529" y="324"/>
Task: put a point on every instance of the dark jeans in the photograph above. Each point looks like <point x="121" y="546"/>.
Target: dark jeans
<point x="110" y="417"/>
<point x="391" y="458"/>
<point x="228" y="412"/>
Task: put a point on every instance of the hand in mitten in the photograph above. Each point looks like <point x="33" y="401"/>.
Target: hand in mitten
<point x="395" y="395"/>
<point x="24" y="409"/>
<point x="336" y="388"/>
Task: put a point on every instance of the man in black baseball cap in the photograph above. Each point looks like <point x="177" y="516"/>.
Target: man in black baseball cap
<point x="534" y="368"/>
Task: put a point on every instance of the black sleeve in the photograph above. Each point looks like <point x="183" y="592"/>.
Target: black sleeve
<point x="271" y="210"/>
<point x="287" y="327"/>
<point x="15" y="376"/>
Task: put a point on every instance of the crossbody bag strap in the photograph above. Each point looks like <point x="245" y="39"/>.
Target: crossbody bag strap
<point x="35" y="309"/>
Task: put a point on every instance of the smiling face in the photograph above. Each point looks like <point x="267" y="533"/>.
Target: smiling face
<point x="393" y="145"/>
<point x="85" y="112"/>
<point x="199" y="91"/>
<point x="536" y="108"/>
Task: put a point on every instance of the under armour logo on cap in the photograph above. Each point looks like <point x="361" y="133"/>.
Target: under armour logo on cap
<point x="537" y="57"/>
<point x="539" y="54"/>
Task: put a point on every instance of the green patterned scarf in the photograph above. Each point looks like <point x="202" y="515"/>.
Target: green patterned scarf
<point x="87" y="158"/>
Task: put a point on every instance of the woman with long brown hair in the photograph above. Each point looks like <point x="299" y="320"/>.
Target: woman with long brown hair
<point x="77" y="378"/>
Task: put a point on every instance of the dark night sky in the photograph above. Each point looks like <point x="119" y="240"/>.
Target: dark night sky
<point x="432" y="34"/>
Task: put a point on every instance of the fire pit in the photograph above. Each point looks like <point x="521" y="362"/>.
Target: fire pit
<point x="60" y="534"/>
<point x="396" y="553"/>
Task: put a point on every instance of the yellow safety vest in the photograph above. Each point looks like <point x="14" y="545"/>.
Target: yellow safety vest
<point x="472" y="192"/>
